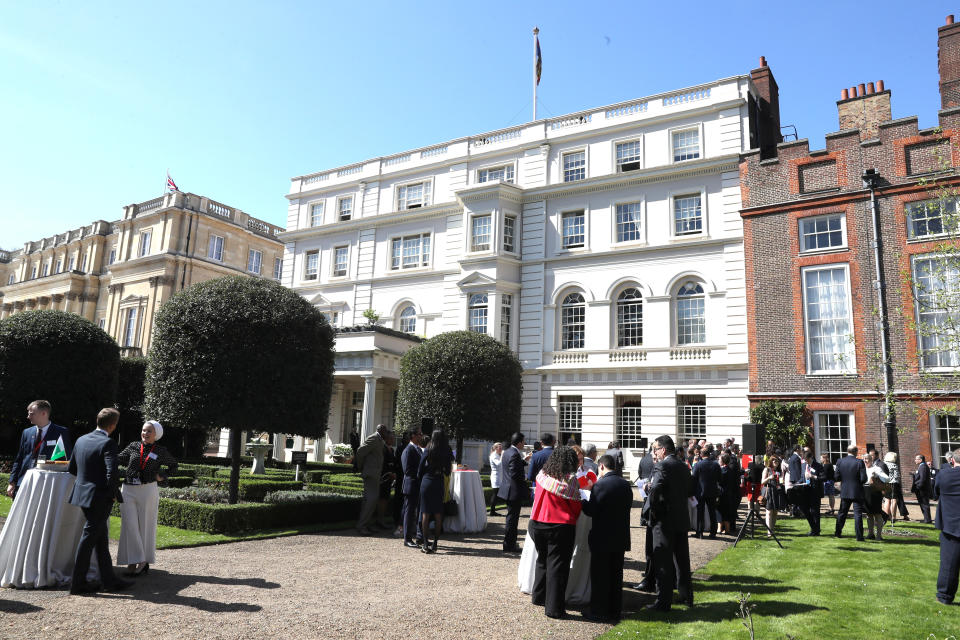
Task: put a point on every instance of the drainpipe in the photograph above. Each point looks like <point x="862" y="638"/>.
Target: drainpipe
<point x="871" y="179"/>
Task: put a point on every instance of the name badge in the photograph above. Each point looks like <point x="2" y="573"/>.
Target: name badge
<point x="51" y="443"/>
<point x="133" y="480"/>
<point x="152" y="456"/>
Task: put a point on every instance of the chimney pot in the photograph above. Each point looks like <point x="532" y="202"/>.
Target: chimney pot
<point x="844" y="94"/>
<point x="869" y="88"/>
<point x="950" y="19"/>
<point x="861" y="89"/>
<point x="763" y="61"/>
<point x="853" y="92"/>
<point x="880" y="86"/>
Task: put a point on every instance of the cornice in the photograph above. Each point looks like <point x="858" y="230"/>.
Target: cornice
<point x="407" y="215"/>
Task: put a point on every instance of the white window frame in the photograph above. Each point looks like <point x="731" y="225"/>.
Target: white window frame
<point x="569" y="416"/>
<point x="923" y="325"/>
<point x="44" y="269"/>
<point x="615" y="162"/>
<point x="144" y="242"/>
<point x="484" y="306"/>
<point x="426" y="199"/>
<point x="562" y="343"/>
<point x="676" y="311"/>
<point x="315" y="213"/>
<point x="130" y="322"/>
<point x="683" y="403"/>
<point x="72" y="263"/>
<point x="848" y="368"/>
<point x="949" y="217"/>
<point x="507" y="167"/>
<point x="616" y="302"/>
<point x="403" y="316"/>
<point x="277" y="269"/>
<point x="340" y="201"/>
<point x="506" y="318"/>
<point x="514" y="247"/>
<point x="563" y="161"/>
<point x="83" y="261"/>
<point x="817" y="438"/>
<point x="215" y="247"/>
<point x="688" y="193"/>
<point x="563" y="241"/>
<point x="334" y="272"/>
<point x="254" y="261"/>
<point x="311" y="273"/>
<point x="113" y="256"/>
<point x="934" y="441"/>
<point x="475" y="245"/>
<point x="59" y="265"/>
<point x="642" y="224"/>
<point x="631" y="439"/>
<point x="827" y="216"/>
<point x="395" y="256"/>
<point x="677" y="130"/>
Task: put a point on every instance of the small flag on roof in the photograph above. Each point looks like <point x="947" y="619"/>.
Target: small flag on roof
<point x="171" y="185"/>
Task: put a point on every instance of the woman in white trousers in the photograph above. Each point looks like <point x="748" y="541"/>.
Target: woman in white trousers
<point x="141" y="498"/>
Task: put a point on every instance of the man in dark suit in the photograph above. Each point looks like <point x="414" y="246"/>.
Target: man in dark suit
<point x="609" y="506"/>
<point x="38" y="440"/>
<point x="513" y="489"/>
<point x="669" y="490"/>
<point x="852" y="475"/>
<point x="816" y="491"/>
<point x="706" y="482"/>
<point x="540" y="457"/>
<point x="923" y="487"/>
<point x="947" y="491"/>
<point x="409" y="463"/>
<point x="645" y="470"/>
<point x="95" y="465"/>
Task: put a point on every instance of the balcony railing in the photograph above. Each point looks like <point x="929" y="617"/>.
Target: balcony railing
<point x="639" y="356"/>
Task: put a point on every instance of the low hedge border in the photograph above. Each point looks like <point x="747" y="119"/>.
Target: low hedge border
<point x="344" y="478"/>
<point x="234" y="518"/>
<point x="178" y="482"/>
<point x="335" y="488"/>
<point x="252" y="490"/>
<point x="271" y="474"/>
<point x="332" y="467"/>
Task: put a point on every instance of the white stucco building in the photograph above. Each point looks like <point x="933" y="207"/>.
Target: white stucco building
<point x="605" y="247"/>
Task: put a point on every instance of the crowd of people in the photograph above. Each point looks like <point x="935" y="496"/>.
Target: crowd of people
<point x="100" y="467"/>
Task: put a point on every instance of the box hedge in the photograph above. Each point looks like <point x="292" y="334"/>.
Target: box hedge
<point x="342" y="489"/>
<point x="344" y="478"/>
<point x="252" y="490"/>
<point x="179" y="481"/>
<point x="231" y="518"/>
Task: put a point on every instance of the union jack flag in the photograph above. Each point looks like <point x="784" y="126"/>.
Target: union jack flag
<point x="171" y="185"/>
<point x="539" y="60"/>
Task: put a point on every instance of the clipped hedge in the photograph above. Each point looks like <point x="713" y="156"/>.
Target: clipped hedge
<point x="330" y="467"/>
<point x="344" y="478"/>
<point x="342" y="489"/>
<point x="198" y="470"/>
<point x="177" y="482"/>
<point x="251" y="490"/>
<point x="231" y="518"/>
<point x="271" y="474"/>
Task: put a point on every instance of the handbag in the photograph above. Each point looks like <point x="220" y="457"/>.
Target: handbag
<point x="450" y="508"/>
<point x="764" y="496"/>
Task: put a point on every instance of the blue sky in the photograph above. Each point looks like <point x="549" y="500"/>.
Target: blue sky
<point x="99" y="99"/>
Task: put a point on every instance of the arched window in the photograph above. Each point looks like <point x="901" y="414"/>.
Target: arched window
<point x="408" y="319"/>
<point x="572" y="322"/>
<point x="691" y="322"/>
<point x="477" y="313"/>
<point x="629" y="318"/>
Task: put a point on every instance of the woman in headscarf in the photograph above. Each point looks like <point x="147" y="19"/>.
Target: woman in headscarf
<point x="141" y="498"/>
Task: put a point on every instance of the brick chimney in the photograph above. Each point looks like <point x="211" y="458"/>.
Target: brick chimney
<point x="948" y="58"/>
<point x="864" y="107"/>
<point x="768" y="109"/>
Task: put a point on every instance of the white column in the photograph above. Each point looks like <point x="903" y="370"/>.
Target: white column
<point x="369" y="401"/>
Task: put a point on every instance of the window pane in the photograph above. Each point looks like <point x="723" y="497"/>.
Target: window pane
<point x="833" y="435"/>
<point x="686" y="145"/>
<point x="947" y="435"/>
<point x="316" y="214"/>
<point x="506" y="313"/>
<point x="629" y="319"/>
<point x="570" y="417"/>
<point x="509" y="229"/>
<point x="687" y="215"/>
<point x="572" y="229"/>
<point x="480" y="233"/>
<point x="932" y="217"/>
<point x="408" y="320"/>
<point x="574" y="166"/>
<point x="691" y="417"/>
<point x="628" y="155"/>
<point x="628" y="422"/>
<point x="572" y="322"/>
<point x="829" y="341"/>
<point x="691" y="319"/>
<point x="340" y="261"/>
<point x="346" y="207"/>
<point x="477" y="313"/>
<point x="937" y="292"/>
<point x="628" y="222"/>
<point x="821" y="232"/>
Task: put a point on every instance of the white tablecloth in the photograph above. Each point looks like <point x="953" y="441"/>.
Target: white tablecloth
<point x="467" y="490"/>
<point x="578" y="583"/>
<point x="38" y="543"/>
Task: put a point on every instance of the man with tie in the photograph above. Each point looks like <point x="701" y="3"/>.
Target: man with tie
<point x="95" y="465"/>
<point x="813" y="475"/>
<point x="947" y="491"/>
<point x="409" y="463"/>
<point x="669" y="490"/>
<point x="852" y="474"/>
<point x="923" y="487"/>
<point x="513" y="489"/>
<point x="609" y="506"/>
<point x="38" y="440"/>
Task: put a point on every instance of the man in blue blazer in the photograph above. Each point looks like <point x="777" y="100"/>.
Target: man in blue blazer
<point x="38" y="440"/>
<point x="409" y="463"/>
<point x="95" y="465"/>
<point x="947" y="491"/>
<point x="852" y="475"/>
<point x="609" y="506"/>
<point x="513" y="489"/>
<point x="706" y="482"/>
<point x="540" y="457"/>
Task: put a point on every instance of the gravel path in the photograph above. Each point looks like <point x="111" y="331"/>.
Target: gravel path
<point x="327" y="585"/>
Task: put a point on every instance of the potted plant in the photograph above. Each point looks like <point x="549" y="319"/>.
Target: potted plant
<point x="342" y="453"/>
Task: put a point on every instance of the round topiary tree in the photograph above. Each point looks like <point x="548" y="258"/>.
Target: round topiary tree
<point x="244" y="353"/>
<point x="132" y="373"/>
<point x="468" y="382"/>
<point x="60" y="357"/>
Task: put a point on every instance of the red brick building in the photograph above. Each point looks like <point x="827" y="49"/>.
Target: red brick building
<point x="816" y="301"/>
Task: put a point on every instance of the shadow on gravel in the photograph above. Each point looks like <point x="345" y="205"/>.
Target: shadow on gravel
<point x="164" y="588"/>
<point x="12" y="606"/>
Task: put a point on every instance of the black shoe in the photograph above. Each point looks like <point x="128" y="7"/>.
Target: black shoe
<point x="658" y="607"/>
<point x="118" y="585"/>
<point x="513" y="549"/>
<point x="871" y="537"/>
<point x="556" y="616"/>
<point x="84" y="588"/>
<point x="647" y="587"/>
<point x="687" y="601"/>
<point x="946" y="602"/>
<point x="860" y="539"/>
<point x="145" y="569"/>
<point x="411" y="544"/>
<point x="713" y="536"/>
<point x="905" y="519"/>
<point x="601" y="619"/>
<point x="425" y="548"/>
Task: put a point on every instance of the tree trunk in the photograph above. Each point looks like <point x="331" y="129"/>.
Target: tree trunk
<point x="234" y="464"/>
<point x="459" y="446"/>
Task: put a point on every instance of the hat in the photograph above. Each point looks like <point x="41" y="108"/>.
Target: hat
<point x="890" y="457"/>
<point x="157" y="428"/>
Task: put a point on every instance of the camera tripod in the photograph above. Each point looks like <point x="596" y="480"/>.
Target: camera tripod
<point x="750" y="521"/>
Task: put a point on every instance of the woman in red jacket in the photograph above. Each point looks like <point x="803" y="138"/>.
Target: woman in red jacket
<point x="553" y="520"/>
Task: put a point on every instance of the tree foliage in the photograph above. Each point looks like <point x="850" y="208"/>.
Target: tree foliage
<point x="60" y="357"/>
<point x="244" y="353"/>
<point x="130" y="399"/>
<point x="468" y="382"/>
<point x="783" y="422"/>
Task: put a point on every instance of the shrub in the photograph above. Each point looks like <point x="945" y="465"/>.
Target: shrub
<point x="299" y="497"/>
<point x="344" y="478"/>
<point x="130" y="400"/>
<point x="252" y="490"/>
<point x="231" y="518"/>
<point x="339" y="489"/>
<point x="179" y="481"/>
<point x="197" y="494"/>
<point x="58" y="356"/>
<point x="271" y="474"/>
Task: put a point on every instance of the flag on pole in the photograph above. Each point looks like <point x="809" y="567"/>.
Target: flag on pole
<point x="59" y="452"/>
<point x="171" y="185"/>
<point x="539" y="63"/>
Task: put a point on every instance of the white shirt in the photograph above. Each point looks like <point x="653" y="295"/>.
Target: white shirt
<point x="495" y="469"/>
<point x="43" y="430"/>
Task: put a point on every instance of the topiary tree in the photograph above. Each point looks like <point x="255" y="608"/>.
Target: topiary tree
<point x="60" y="357"/>
<point x="468" y="382"/>
<point x="244" y="353"/>
<point x="130" y="399"/>
<point x="783" y="422"/>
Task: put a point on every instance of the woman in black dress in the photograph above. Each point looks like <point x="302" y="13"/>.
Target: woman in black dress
<point x="436" y="463"/>
<point x="729" y="493"/>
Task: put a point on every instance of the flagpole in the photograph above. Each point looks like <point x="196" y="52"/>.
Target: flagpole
<point x="166" y="183"/>
<point x="535" y="32"/>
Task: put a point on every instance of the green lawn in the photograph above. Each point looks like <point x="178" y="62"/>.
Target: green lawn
<point x="815" y="588"/>
<point x="174" y="538"/>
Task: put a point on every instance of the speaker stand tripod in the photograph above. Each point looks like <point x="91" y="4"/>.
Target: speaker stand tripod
<point x="750" y="521"/>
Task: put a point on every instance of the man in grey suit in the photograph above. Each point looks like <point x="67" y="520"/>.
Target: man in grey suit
<point x="369" y="461"/>
<point x="94" y="462"/>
